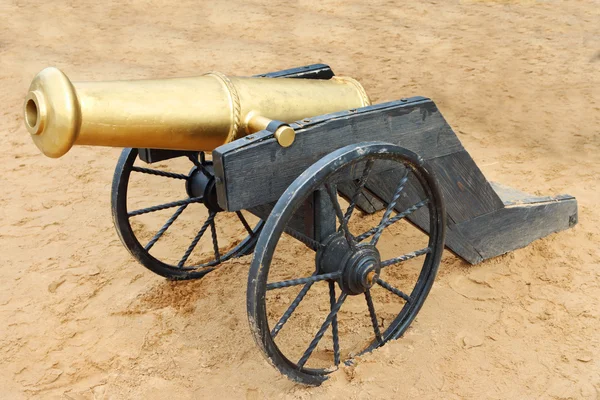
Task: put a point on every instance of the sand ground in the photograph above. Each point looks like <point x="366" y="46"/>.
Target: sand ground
<point x="519" y="81"/>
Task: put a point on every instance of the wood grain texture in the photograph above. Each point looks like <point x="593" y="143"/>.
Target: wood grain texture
<point x="383" y="186"/>
<point x="257" y="170"/>
<point x="512" y="196"/>
<point x="484" y="220"/>
<point x="302" y="220"/>
<point x="516" y="226"/>
<point x="466" y="191"/>
<point x="455" y="241"/>
<point x="366" y="202"/>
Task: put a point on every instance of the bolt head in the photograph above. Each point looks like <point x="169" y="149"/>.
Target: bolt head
<point x="371" y="275"/>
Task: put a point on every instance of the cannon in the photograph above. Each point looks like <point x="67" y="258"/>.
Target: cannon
<point x="298" y="161"/>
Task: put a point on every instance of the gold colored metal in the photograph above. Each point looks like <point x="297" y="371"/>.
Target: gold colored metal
<point x="199" y="113"/>
<point x="284" y="135"/>
<point x="255" y="122"/>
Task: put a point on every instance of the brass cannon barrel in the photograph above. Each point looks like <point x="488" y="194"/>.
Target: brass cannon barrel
<point x="199" y="113"/>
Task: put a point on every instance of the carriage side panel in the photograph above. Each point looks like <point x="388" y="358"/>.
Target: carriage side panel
<point x="256" y="170"/>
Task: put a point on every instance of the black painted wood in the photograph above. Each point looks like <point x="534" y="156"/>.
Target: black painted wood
<point x="150" y="156"/>
<point x="257" y="169"/>
<point x="383" y="185"/>
<point x="302" y="221"/>
<point x="484" y="220"/>
<point x="516" y="226"/>
<point x="466" y="191"/>
<point x="455" y="241"/>
<point x="511" y="196"/>
<point x="313" y="71"/>
<point x="521" y="219"/>
<point x="324" y="216"/>
<point x="367" y="202"/>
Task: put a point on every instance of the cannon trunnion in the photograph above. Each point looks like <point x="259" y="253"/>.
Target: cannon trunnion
<point x="304" y="159"/>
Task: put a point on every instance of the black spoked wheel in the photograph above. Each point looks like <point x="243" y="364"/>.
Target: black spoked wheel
<point x="168" y="217"/>
<point x="370" y="275"/>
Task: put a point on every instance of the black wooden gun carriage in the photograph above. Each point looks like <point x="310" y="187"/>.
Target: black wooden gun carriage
<point x="349" y="179"/>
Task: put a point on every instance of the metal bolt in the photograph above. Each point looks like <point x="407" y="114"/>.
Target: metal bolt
<point x="371" y="277"/>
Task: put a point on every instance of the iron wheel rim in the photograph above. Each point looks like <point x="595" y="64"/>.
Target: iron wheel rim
<point x="305" y="184"/>
<point x="122" y="223"/>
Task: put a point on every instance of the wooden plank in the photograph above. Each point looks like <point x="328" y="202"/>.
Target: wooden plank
<point x="253" y="172"/>
<point x="466" y="191"/>
<point x="314" y="219"/>
<point x="467" y="194"/>
<point x="366" y="202"/>
<point x="257" y="170"/>
<point x="313" y="71"/>
<point x="383" y="186"/>
<point x="325" y="221"/>
<point x="511" y="196"/>
<point x="516" y="226"/>
<point x="302" y="220"/>
<point x="455" y="241"/>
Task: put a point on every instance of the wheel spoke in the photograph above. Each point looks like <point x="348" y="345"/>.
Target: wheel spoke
<point x="288" y="313"/>
<point x="334" y="329"/>
<point x="334" y="201"/>
<point x="156" y="172"/>
<point x="213" y="231"/>
<point x="245" y="223"/>
<point x="334" y="310"/>
<point x="340" y="215"/>
<point x="390" y="207"/>
<point x="164" y="227"/>
<point x="165" y="206"/>
<point x="310" y="243"/>
<point x="392" y="289"/>
<point x="373" y="316"/>
<point x="334" y="325"/>
<point x="302" y="281"/>
<point x="360" y="186"/>
<point x="195" y="240"/>
<point x="393" y="220"/>
<point x="405" y="257"/>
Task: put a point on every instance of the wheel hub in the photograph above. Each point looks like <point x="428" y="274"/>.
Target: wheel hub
<point x="199" y="184"/>
<point x="358" y="266"/>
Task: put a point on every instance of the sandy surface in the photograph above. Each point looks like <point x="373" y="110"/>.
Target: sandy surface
<point x="518" y="81"/>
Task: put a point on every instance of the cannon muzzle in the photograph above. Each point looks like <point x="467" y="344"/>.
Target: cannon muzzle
<point x="199" y="113"/>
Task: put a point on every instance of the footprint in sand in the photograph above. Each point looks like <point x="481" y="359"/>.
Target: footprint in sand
<point x="473" y="289"/>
